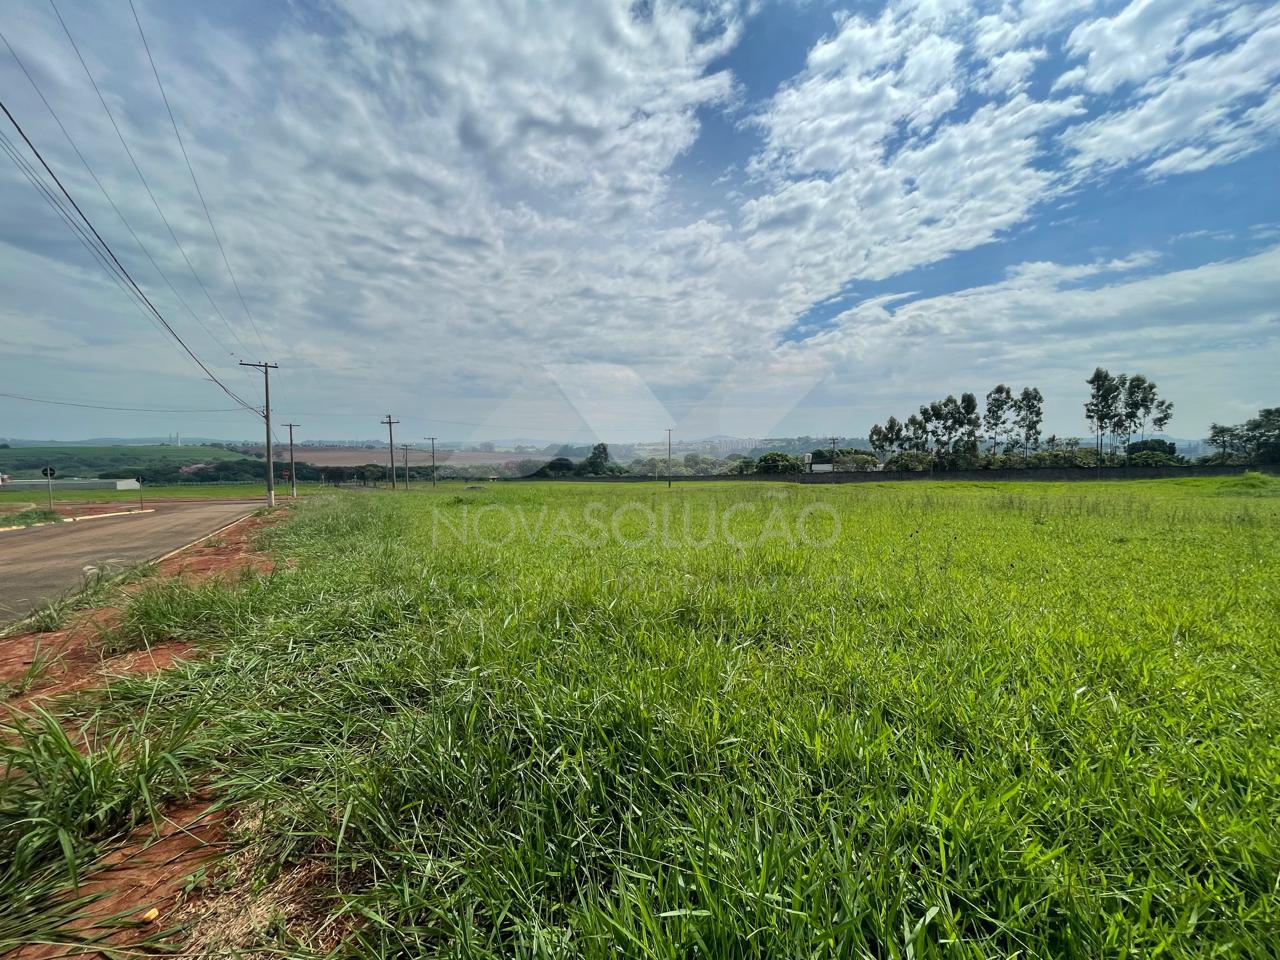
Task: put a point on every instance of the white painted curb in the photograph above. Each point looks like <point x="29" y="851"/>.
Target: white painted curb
<point x="92" y="516"/>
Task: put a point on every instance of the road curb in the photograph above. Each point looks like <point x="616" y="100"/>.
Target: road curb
<point x="92" y="516"/>
<point x="100" y="516"/>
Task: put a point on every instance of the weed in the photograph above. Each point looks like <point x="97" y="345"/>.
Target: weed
<point x="42" y="659"/>
<point x="28" y="518"/>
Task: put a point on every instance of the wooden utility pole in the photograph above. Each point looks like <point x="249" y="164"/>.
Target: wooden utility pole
<point x="433" y="459"/>
<point x="405" y="447"/>
<point x="266" y="369"/>
<point x="833" y="454"/>
<point x="293" y="474"/>
<point x="391" y="447"/>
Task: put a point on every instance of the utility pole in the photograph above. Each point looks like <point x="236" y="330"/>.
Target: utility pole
<point x="405" y="448"/>
<point x="668" y="458"/>
<point x="266" y="369"/>
<point x="391" y="447"/>
<point x="833" y="454"/>
<point x="293" y="474"/>
<point x="433" y="458"/>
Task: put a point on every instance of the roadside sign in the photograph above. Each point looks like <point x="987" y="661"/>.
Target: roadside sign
<point x="49" y="472"/>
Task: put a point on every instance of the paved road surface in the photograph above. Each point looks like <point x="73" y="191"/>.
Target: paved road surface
<point x="43" y="563"/>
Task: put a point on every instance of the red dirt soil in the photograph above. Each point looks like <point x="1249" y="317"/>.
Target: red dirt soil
<point x="150" y="869"/>
<point x="148" y="872"/>
<point x="72" y="657"/>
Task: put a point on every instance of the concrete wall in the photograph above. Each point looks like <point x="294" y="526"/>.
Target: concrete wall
<point x="1043" y="473"/>
<point x="887" y="476"/>
<point x="35" y="486"/>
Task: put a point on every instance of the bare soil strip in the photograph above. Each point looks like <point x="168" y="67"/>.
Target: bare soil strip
<point x="142" y="882"/>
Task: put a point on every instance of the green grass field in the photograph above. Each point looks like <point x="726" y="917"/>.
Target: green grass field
<point x="26" y="462"/>
<point x="724" y="720"/>
<point x="177" y="491"/>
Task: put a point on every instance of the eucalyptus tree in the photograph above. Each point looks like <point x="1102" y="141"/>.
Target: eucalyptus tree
<point x="887" y="439"/>
<point x="1028" y="414"/>
<point x="915" y="433"/>
<point x="996" y="419"/>
<point x="1104" y="404"/>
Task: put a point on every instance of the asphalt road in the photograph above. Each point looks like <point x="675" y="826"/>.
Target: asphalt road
<point x="42" y="563"/>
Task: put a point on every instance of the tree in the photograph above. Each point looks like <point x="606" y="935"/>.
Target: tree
<point x="597" y="462"/>
<point x="967" y="422"/>
<point x="1256" y="440"/>
<point x="559" y="466"/>
<point x="915" y="434"/>
<point x="1162" y="447"/>
<point x="775" y="462"/>
<point x="995" y="422"/>
<point x="1028" y="414"/>
<point x="952" y="426"/>
<point x="887" y="439"/>
<point x="1103" y="405"/>
<point x="910" y="461"/>
<point x="1262" y="433"/>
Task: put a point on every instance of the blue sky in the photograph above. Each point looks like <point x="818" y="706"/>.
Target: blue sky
<point x="578" y="219"/>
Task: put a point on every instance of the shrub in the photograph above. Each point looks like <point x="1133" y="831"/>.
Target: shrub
<point x="911" y="461"/>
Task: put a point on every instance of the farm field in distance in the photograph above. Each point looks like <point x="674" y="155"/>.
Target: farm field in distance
<point x="936" y="719"/>
<point x="420" y="455"/>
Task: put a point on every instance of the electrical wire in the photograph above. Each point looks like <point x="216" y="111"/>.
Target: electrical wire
<point x="24" y="166"/>
<point x="116" y="260"/>
<point x="100" y="406"/>
<point x="138" y="170"/>
<point x="191" y="170"/>
<point x="119" y="213"/>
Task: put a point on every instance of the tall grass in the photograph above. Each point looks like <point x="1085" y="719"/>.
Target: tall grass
<point x="965" y="722"/>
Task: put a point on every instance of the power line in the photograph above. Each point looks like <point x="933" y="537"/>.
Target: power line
<point x="119" y="213"/>
<point x="191" y="170"/>
<point x="102" y="406"/>
<point x="116" y="260"/>
<point x="24" y="166"/>
<point x="138" y="170"/>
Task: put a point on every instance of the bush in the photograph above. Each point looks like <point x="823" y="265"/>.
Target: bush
<point x="910" y="461"/>
<point x="779" y="463"/>
<point x="858" y="462"/>
<point x="1152" y="446"/>
<point x="1149" y="458"/>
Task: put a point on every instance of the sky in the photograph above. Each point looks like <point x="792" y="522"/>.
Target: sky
<point x="587" y="219"/>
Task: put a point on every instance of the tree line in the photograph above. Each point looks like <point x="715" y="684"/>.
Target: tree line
<point x="956" y="434"/>
<point x="1257" y="440"/>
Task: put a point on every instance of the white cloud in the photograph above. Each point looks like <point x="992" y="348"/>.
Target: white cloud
<point x="1208" y="333"/>
<point x="1134" y="44"/>
<point x="1189" y="119"/>
<point x="436" y="205"/>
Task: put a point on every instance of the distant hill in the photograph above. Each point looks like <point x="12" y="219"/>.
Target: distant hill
<point x="88" y="461"/>
<point x="114" y="442"/>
